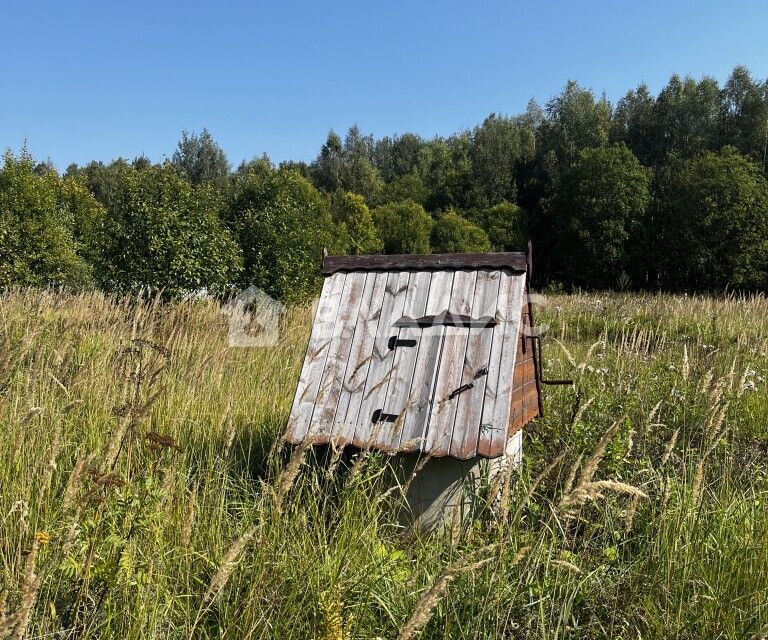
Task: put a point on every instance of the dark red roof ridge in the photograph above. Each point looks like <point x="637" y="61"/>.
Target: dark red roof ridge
<point x="514" y="260"/>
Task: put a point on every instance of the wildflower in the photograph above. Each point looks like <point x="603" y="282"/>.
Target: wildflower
<point x="43" y="537"/>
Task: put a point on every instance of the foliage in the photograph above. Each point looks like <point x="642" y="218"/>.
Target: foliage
<point x="350" y="210"/>
<point x="282" y="223"/>
<point x="712" y="216"/>
<point x="347" y="166"/>
<point x="162" y="233"/>
<point x="453" y="234"/>
<point x="599" y="211"/>
<point x="505" y="225"/>
<point x="42" y="222"/>
<point x="519" y="177"/>
<point x="200" y="159"/>
<point x="495" y="153"/>
<point x="404" y="227"/>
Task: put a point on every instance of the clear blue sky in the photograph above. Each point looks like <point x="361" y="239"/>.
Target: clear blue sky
<point x="97" y="80"/>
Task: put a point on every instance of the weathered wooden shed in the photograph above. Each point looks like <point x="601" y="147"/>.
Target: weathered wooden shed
<point x="421" y="354"/>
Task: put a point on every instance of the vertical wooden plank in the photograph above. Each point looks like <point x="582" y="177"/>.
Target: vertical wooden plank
<point x="387" y="434"/>
<point x="338" y="355"/>
<point x="498" y="390"/>
<point x="314" y="361"/>
<point x="417" y="407"/>
<point x="359" y="358"/>
<point x="380" y="367"/>
<point x="440" y="427"/>
<point x="469" y="407"/>
<point x="405" y="356"/>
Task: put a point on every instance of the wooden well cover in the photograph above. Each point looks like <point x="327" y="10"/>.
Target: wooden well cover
<point x="412" y="353"/>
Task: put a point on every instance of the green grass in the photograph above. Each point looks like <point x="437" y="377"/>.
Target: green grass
<point x="203" y="531"/>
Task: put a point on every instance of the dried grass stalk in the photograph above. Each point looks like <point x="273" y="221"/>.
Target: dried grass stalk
<point x="189" y="520"/>
<point x="288" y="475"/>
<point x="567" y="565"/>
<point x="590" y="466"/>
<point x="631" y="511"/>
<point x="538" y="480"/>
<point x="422" y="614"/>
<point x="670" y="446"/>
<point x="227" y="566"/>
<point x="30" y="584"/>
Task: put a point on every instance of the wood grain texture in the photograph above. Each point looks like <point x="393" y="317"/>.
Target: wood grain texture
<point x="380" y="368"/>
<point x="405" y="356"/>
<point x="469" y="407"/>
<point x="444" y="389"/>
<point x="418" y="405"/>
<point x="498" y="390"/>
<point x="440" y="426"/>
<point x="332" y="379"/>
<point x="314" y="361"/>
<point x="404" y="363"/>
<point x="356" y="373"/>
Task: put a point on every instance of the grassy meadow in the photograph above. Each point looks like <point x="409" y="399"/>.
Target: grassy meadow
<point x="144" y="493"/>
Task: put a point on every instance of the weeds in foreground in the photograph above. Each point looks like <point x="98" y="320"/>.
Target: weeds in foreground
<point x="142" y="493"/>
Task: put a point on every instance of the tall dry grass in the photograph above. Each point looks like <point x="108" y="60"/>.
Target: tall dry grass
<point x="143" y="495"/>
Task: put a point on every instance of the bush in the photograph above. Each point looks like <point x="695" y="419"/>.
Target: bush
<point x="505" y="225"/>
<point x="282" y="223"/>
<point x="713" y="223"/>
<point x="454" y="234"/>
<point x="37" y="224"/>
<point x="163" y="233"/>
<point x="404" y="227"/>
<point x="350" y="210"/>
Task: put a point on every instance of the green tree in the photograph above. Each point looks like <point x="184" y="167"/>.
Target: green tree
<point x="712" y="223"/>
<point x="327" y="169"/>
<point x="598" y="213"/>
<point x="350" y="210"/>
<point x="87" y="217"/>
<point x="200" y="159"/>
<point x="634" y="124"/>
<point x="685" y="116"/>
<point x="161" y="232"/>
<point x="404" y="227"/>
<point x="104" y="181"/>
<point x="37" y="244"/>
<point x="574" y="121"/>
<point x="504" y="224"/>
<point x="407" y="187"/>
<point x="453" y="234"/>
<point x="282" y="223"/>
<point x="495" y="154"/>
<point x="745" y="116"/>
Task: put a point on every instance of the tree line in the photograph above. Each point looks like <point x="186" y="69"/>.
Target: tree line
<point x="655" y="192"/>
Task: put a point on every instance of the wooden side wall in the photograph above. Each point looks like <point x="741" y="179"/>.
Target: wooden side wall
<point x="525" y="393"/>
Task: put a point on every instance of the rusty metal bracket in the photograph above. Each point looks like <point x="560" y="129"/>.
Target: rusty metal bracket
<point x="540" y="371"/>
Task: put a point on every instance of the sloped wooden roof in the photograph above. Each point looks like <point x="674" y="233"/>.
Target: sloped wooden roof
<point x="413" y="353"/>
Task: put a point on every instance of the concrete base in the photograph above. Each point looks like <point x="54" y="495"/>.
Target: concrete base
<point x="444" y="493"/>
